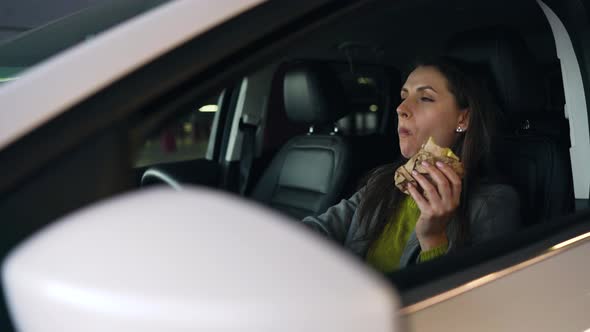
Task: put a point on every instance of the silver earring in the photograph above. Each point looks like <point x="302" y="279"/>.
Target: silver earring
<point x="459" y="130"/>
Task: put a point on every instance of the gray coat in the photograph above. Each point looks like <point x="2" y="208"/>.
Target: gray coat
<point x="493" y="210"/>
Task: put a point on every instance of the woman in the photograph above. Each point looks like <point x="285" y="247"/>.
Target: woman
<point x="443" y="100"/>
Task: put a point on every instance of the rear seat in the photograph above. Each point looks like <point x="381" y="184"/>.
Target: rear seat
<point x="381" y="145"/>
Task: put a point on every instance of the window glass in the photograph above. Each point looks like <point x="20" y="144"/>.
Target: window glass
<point x="184" y="138"/>
<point x="366" y="88"/>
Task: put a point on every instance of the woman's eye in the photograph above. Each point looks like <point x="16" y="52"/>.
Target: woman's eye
<point x="426" y="99"/>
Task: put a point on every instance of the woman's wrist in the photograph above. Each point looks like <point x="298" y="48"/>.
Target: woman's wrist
<point x="428" y="242"/>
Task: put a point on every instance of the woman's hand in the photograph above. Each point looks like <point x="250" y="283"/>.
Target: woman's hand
<point x="438" y="204"/>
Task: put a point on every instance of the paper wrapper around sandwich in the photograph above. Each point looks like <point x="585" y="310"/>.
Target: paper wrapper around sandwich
<point x="431" y="153"/>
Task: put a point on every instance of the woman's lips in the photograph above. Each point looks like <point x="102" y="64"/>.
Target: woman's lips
<point x="403" y="132"/>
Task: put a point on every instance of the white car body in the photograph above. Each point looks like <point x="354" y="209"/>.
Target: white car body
<point x="514" y="298"/>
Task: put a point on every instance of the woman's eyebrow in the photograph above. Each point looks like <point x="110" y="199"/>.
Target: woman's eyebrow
<point x="425" y="87"/>
<point x="421" y="88"/>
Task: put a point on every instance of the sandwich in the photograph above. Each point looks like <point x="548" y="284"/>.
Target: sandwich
<point x="431" y="153"/>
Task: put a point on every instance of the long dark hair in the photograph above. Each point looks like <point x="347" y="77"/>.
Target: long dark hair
<point x="468" y="85"/>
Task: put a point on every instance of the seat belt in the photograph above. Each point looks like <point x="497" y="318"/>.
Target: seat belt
<point x="248" y="127"/>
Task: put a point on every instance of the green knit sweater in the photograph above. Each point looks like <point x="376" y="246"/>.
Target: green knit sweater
<point x="386" y="251"/>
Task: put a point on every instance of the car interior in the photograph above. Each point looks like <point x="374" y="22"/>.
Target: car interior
<point x="302" y="132"/>
<point x="329" y="118"/>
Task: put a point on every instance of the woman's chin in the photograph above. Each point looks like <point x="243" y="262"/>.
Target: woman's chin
<point x="407" y="152"/>
<point x="408" y="147"/>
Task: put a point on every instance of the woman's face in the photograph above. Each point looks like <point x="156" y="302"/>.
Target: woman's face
<point x="428" y="109"/>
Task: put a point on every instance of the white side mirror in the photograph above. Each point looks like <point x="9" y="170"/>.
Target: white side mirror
<point x="196" y="260"/>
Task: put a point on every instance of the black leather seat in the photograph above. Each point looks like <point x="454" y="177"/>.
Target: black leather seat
<point x="309" y="173"/>
<point x="536" y="161"/>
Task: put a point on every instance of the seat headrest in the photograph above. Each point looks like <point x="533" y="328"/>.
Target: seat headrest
<point x="313" y="94"/>
<point x="517" y="82"/>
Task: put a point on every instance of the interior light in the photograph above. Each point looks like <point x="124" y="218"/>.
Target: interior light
<point x="188" y="127"/>
<point x="208" y="108"/>
<point x="373" y="108"/>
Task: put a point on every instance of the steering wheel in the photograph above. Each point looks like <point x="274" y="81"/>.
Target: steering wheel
<point x="155" y="175"/>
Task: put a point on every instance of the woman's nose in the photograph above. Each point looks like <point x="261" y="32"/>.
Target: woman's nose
<point x="403" y="109"/>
